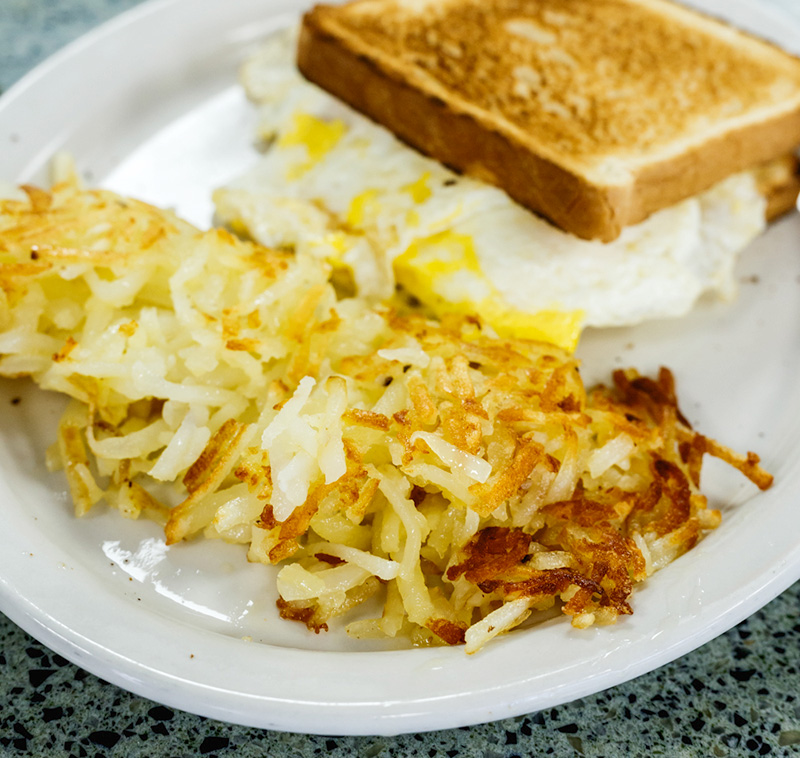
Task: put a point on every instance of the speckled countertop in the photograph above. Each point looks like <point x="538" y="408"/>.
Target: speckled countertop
<point x="738" y="695"/>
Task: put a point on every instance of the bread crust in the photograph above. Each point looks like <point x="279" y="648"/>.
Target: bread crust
<point x="484" y="146"/>
<point x="779" y="182"/>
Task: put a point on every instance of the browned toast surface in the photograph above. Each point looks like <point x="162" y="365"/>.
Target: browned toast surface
<point x="594" y="113"/>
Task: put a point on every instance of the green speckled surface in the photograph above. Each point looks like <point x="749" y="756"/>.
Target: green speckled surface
<point x="738" y="695"/>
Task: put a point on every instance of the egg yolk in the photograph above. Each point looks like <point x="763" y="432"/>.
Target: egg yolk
<point x="444" y="273"/>
<point x="318" y="137"/>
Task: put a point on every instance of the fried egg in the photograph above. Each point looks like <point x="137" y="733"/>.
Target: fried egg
<point x="334" y="184"/>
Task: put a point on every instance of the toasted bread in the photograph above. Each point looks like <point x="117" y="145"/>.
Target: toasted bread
<point x="779" y="182"/>
<point x="592" y="113"/>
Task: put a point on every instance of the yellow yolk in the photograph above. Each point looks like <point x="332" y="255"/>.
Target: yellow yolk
<point x="444" y="273"/>
<point x="363" y="209"/>
<point x="419" y="190"/>
<point x="317" y="136"/>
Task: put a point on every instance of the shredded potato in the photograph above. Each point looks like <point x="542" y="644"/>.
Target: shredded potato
<point x="466" y="481"/>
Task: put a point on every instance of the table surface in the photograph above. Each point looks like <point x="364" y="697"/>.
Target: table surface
<point x="737" y="695"/>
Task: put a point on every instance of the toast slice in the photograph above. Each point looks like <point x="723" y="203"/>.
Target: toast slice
<point x="592" y="113"/>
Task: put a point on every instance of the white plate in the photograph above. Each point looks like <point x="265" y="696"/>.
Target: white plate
<point x="148" y="104"/>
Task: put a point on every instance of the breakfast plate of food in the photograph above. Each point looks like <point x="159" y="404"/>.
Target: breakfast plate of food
<point x="361" y="378"/>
